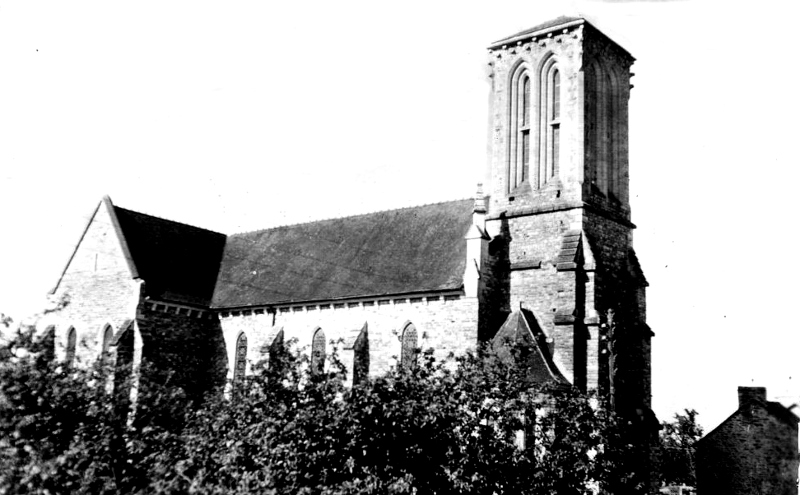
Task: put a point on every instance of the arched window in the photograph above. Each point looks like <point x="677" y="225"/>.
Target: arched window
<point x="72" y="338"/>
<point x="554" y="122"/>
<point x="276" y="352"/>
<point x="108" y="336"/>
<point x="48" y="343"/>
<point x="240" y="361"/>
<point x="520" y="128"/>
<point x="361" y="357"/>
<point x="318" y="352"/>
<point x="601" y="131"/>
<point x="408" y="350"/>
<point x="610" y="137"/>
<point x="593" y="125"/>
<point x="549" y="121"/>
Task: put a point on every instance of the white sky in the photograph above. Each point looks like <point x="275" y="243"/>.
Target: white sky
<point x="242" y="115"/>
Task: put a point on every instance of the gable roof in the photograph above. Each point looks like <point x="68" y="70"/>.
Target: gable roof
<point x="522" y="329"/>
<point x="178" y="262"/>
<point x="410" y="250"/>
<point x="775" y="409"/>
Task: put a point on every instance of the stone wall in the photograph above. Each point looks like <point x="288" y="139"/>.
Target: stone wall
<point x="98" y="289"/>
<point x="445" y="323"/>
<point x="752" y="452"/>
<point x="185" y="346"/>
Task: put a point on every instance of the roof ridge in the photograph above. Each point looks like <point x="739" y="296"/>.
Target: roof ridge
<point x="171" y="221"/>
<point x="357" y="215"/>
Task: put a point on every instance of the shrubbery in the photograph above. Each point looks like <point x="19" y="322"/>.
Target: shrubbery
<point x="473" y="424"/>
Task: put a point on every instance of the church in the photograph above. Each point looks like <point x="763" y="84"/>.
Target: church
<point x="542" y="255"/>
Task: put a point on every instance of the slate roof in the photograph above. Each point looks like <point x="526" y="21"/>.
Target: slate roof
<point x="522" y="329"/>
<point x="775" y="409"/>
<point x="552" y="25"/>
<point x="178" y="262"/>
<point x="544" y="27"/>
<point x="418" y="249"/>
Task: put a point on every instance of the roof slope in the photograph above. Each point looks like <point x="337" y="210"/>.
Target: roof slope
<point x="178" y="262"/>
<point x="775" y="409"/>
<point x="522" y="330"/>
<point x="545" y="26"/>
<point x="416" y="249"/>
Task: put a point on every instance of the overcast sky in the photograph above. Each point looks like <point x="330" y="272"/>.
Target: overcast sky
<point x="242" y="115"/>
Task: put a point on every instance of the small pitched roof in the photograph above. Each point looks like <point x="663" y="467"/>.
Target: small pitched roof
<point x="410" y="250"/>
<point x="544" y="27"/>
<point x="178" y="262"/>
<point x="561" y="22"/>
<point x="522" y="329"/>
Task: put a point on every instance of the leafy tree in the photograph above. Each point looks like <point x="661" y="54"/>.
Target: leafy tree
<point x="472" y="424"/>
<point x="676" y="452"/>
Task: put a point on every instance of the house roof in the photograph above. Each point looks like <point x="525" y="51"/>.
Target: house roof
<point x="178" y="262"/>
<point x="775" y="409"/>
<point x="410" y="250"/>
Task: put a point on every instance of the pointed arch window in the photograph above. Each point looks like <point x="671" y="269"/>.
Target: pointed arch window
<point x="277" y="357"/>
<point x="240" y="361"/>
<point x="408" y="350"/>
<point x="520" y="131"/>
<point x="72" y="337"/>
<point x="609" y="137"/>
<point x="361" y="357"/>
<point x="108" y="336"/>
<point x="318" y="352"/>
<point x="549" y="121"/>
<point x="602" y="140"/>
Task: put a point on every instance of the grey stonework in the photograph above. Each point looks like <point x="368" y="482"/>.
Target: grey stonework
<point x="560" y="249"/>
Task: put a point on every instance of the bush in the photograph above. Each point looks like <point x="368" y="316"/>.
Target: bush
<point x="471" y="425"/>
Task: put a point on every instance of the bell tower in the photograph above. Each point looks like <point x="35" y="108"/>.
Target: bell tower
<point x="558" y="211"/>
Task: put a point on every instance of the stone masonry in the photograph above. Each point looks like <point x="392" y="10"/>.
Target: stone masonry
<point x="552" y="238"/>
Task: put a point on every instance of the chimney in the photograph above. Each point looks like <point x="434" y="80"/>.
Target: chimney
<point x="748" y="395"/>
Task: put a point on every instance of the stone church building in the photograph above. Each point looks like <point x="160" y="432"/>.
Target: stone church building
<point x="543" y="254"/>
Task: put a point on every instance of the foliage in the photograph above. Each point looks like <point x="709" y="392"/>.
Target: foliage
<point x="472" y="424"/>
<point x="676" y="450"/>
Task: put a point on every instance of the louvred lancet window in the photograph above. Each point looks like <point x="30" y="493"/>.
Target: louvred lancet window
<point x="241" y="359"/>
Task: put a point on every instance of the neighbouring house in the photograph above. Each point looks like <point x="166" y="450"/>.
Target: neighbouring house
<point x="754" y="451"/>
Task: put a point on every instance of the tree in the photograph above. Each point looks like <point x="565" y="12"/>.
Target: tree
<point x="471" y="424"/>
<point x="676" y="452"/>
